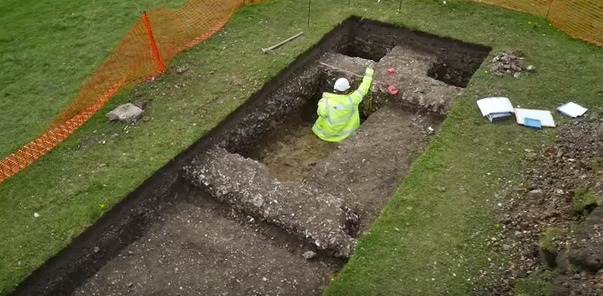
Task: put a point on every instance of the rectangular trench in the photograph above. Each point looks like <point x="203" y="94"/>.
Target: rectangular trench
<point x="176" y="235"/>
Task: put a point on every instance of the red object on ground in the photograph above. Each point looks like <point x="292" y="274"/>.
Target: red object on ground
<point x="391" y="70"/>
<point x="392" y="90"/>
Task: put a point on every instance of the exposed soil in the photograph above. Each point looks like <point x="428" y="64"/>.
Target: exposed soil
<point x="292" y="150"/>
<point x="200" y="247"/>
<point x="292" y="157"/>
<point x="368" y="167"/>
<point x="554" y="229"/>
<point x="267" y="194"/>
<point x="510" y="63"/>
<point x="246" y="185"/>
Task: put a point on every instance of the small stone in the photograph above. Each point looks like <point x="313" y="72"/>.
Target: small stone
<point x="536" y="193"/>
<point x="96" y="249"/>
<point x="309" y="255"/>
<point x="506" y="247"/>
<point x="258" y="201"/>
<point x="517" y="74"/>
<point x="181" y="69"/>
<point x="531" y="68"/>
<point x="576" y="276"/>
<point x="125" y="113"/>
<point x="36" y="215"/>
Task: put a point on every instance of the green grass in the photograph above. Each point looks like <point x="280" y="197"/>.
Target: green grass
<point x="582" y="199"/>
<point x="427" y="242"/>
<point x="547" y="241"/>
<point x="49" y="48"/>
<point x="531" y="287"/>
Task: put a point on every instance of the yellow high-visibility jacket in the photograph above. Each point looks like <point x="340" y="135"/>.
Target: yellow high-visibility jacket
<point x="338" y="114"/>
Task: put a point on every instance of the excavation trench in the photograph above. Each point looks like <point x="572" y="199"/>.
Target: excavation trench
<point x="235" y="212"/>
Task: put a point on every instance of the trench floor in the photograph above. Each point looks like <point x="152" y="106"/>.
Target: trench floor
<point x="201" y="247"/>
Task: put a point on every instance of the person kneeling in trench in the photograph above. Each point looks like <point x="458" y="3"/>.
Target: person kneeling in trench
<point x="338" y="115"/>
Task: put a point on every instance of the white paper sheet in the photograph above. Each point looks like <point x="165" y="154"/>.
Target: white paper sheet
<point x="545" y="116"/>
<point x="495" y="105"/>
<point x="572" y="109"/>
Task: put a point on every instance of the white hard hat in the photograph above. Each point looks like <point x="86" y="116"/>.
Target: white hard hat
<point x="342" y="84"/>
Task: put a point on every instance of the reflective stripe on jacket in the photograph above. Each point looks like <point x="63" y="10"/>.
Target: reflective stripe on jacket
<point x="338" y="114"/>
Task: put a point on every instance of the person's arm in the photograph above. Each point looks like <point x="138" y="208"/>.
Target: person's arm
<point x="322" y="108"/>
<point x="364" y="87"/>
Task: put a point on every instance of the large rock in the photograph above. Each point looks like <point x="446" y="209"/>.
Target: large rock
<point x="246" y="185"/>
<point x="125" y="113"/>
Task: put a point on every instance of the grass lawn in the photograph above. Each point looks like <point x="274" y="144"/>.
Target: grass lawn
<point x="430" y="239"/>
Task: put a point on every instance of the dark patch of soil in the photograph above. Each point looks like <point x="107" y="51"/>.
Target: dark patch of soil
<point x="357" y="52"/>
<point x="375" y="39"/>
<point x="550" y="235"/>
<point x="201" y="249"/>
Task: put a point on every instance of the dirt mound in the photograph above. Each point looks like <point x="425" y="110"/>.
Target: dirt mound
<point x="550" y="224"/>
<point x="509" y="63"/>
<point x="586" y="250"/>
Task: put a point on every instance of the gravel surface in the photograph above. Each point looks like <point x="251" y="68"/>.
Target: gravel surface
<point x="510" y="63"/>
<point x="197" y="250"/>
<point x="549" y="234"/>
<point x="246" y="185"/>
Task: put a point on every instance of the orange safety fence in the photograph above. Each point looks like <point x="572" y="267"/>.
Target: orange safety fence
<point x="150" y="44"/>
<point x="581" y="19"/>
<point x="162" y="33"/>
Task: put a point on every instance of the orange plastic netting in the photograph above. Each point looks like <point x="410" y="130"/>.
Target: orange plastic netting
<point x="150" y="44"/>
<point x="581" y="19"/>
<point x="162" y="33"/>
